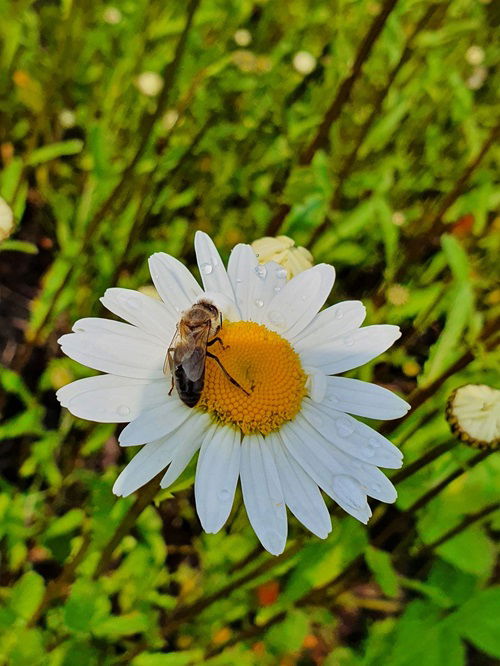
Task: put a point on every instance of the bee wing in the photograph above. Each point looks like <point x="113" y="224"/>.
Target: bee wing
<point x="193" y="361"/>
<point x="168" y="364"/>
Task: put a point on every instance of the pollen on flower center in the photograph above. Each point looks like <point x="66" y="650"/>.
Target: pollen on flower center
<point x="266" y="366"/>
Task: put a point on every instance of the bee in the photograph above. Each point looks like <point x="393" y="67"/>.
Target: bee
<point x="187" y="353"/>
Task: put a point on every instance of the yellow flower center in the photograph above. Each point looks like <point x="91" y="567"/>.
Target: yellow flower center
<point x="265" y="365"/>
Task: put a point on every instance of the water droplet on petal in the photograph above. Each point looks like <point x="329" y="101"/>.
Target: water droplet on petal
<point x="276" y="318"/>
<point x="281" y="273"/>
<point x="339" y="313"/>
<point x="239" y="280"/>
<point x="369" y="450"/>
<point x="376" y="487"/>
<point x="261" y="271"/>
<point x="349" y="491"/>
<point x="224" y="495"/>
<point x="277" y="290"/>
<point x="332" y="398"/>
<point x="348" y="342"/>
<point x="123" y="410"/>
<point x="259" y="303"/>
<point x="344" y="426"/>
<point x="373" y="441"/>
<point x="206" y="269"/>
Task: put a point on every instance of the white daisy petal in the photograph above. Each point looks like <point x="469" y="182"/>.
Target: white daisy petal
<point x="301" y="493"/>
<point x="145" y="465"/>
<point x="363" y="399"/>
<point x="352" y="350"/>
<point x="316" y="384"/>
<point x="112" y="399"/>
<point x="177" y="287"/>
<point x="144" y="312"/>
<point x="294" y="307"/>
<point x="241" y="271"/>
<point x="155" y="422"/>
<point x="315" y="456"/>
<point x="114" y="347"/>
<point x="372" y="480"/>
<point x="262" y="494"/>
<point x="189" y="436"/>
<point x="351" y="436"/>
<point x="268" y="281"/>
<point x="331" y="323"/>
<point x="217" y="474"/>
<point x="254" y="284"/>
<point x="212" y="269"/>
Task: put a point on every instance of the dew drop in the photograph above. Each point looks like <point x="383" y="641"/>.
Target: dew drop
<point x="276" y="318"/>
<point x="239" y="280"/>
<point x="339" y="314"/>
<point x="206" y="269"/>
<point x="332" y="398"/>
<point x="348" y="342"/>
<point x="376" y="487"/>
<point x="281" y="273"/>
<point x="348" y="491"/>
<point x="259" y="303"/>
<point x="277" y="290"/>
<point x="260" y="271"/>
<point x="224" y="495"/>
<point x="344" y="427"/>
<point x="123" y="410"/>
<point x="369" y="450"/>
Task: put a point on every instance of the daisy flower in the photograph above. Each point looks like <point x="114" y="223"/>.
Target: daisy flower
<point x="284" y="426"/>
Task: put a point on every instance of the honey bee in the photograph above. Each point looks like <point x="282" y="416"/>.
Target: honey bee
<point x="187" y="353"/>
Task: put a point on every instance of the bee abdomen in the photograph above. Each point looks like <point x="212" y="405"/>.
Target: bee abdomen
<point x="189" y="391"/>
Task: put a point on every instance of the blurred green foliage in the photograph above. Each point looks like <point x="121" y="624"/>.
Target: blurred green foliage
<point x="399" y="194"/>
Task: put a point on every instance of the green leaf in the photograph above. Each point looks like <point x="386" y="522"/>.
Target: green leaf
<point x="186" y="658"/>
<point x="86" y="607"/>
<point x="444" y="351"/>
<point x="471" y="551"/>
<point x="67" y="523"/>
<point x="124" y="625"/>
<point x="380" y="565"/>
<point x="18" y="246"/>
<point x="456" y="257"/>
<point x="54" y="150"/>
<point x="477" y="621"/>
<point x="27" y="594"/>
<point x="288" y="636"/>
<point x="28" y="649"/>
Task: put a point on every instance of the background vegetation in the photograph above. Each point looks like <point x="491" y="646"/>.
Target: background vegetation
<point x="380" y="155"/>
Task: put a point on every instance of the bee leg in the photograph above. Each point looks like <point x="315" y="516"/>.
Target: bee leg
<point x="171" y="386"/>
<point x="217" y="339"/>
<point x="231" y="379"/>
